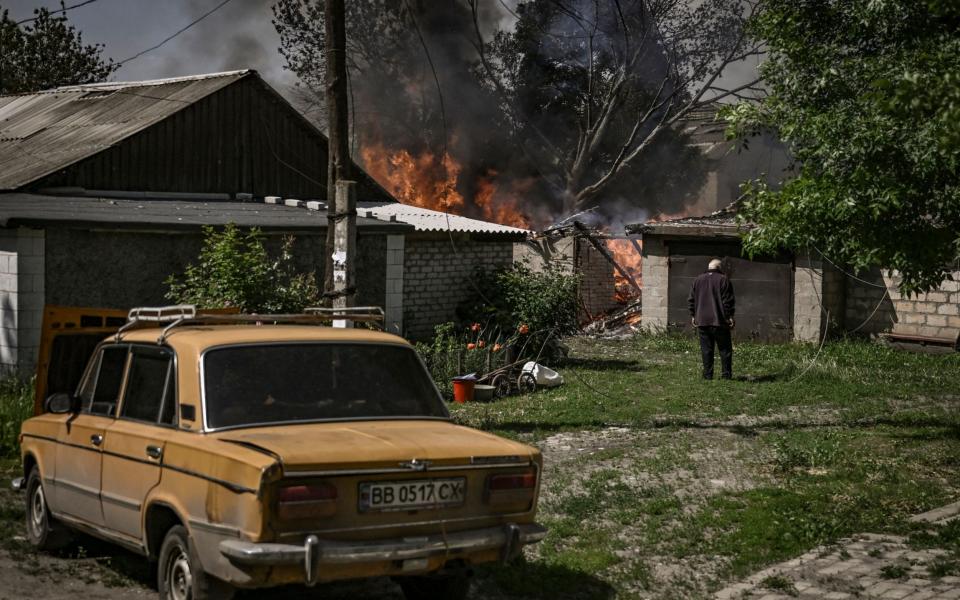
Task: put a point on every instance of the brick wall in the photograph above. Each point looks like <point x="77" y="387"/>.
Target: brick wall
<point x="875" y="305"/>
<point x="656" y="274"/>
<point x="571" y="253"/>
<point x="436" y="278"/>
<point x="22" y="258"/>
<point x="597" y="287"/>
<point x="394" y="294"/>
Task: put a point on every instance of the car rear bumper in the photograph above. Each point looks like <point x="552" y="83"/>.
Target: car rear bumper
<point x="315" y="553"/>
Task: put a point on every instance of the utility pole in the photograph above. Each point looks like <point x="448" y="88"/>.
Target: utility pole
<point x="341" y="199"/>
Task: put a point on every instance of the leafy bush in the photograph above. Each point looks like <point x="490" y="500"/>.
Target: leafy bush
<point x="527" y="308"/>
<point x="16" y="404"/>
<point x="459" y="351"/>
<point x="235" y="270"/>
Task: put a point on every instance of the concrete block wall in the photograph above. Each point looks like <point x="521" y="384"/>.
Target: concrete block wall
<point x="436" y="278"/>
<point x="393" y="305"/>
<point x="875" y="305"/>
<point x="656" y="274"/>
<point x="22" y="284"/>
<point x="536" y="254"/>
<point x="818" y="299"/>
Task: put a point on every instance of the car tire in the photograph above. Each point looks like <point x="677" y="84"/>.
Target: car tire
<point x="43" y="531"/>
<point x="179" y="574"/>
<point x="453" y="586"/>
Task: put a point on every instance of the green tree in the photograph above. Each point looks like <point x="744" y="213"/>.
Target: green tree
<point x="867" y="95"/>
<point x="46" y="53"/>
<point x="234" y="270"/>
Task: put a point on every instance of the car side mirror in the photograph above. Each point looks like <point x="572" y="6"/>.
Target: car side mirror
<point x="61" y="403"/>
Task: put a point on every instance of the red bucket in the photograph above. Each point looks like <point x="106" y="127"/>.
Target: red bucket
<point x="463" y="390"/>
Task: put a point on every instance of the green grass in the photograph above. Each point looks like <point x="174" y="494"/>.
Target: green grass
<point x="16" y="404"/>
<point x="856" y="441"/>
<point x="655" y="381"/>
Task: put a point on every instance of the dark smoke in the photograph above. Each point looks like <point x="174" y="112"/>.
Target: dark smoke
<point x="239" y="36"/>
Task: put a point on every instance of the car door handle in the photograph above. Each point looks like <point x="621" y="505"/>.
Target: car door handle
<point x="96" y="439"/>
<point x="154" y="452"/>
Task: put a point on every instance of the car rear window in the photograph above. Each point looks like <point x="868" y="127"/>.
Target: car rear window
<point x="262" y="384"/>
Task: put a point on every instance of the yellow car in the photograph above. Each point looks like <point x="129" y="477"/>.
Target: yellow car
<point x="240" y="451"/>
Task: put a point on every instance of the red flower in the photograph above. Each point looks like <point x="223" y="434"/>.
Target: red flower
<point x="497" y="347"/>
<point x="524" y="329"/>
<point x="475" y="327"/>
<point x="471" y="346"/>
<point x="481" y="344"/>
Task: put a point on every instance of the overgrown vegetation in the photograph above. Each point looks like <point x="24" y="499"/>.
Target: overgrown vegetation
<point x="514" y="313"/>
<point x="234" y="270"/>
<point x="16" y="404"/>
<point x="867" y="96"/>
<point x="542" y="304"/>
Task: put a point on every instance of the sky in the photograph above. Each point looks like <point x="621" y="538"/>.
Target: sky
<point x="240" y="35"/>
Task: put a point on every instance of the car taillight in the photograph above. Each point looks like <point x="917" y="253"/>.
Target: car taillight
<point x="511" y="491"/>
<point x="519" y="481"/>
<point x="306" y="501"/>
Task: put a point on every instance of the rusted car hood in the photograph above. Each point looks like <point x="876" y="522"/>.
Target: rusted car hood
<point x="374" y="444"/>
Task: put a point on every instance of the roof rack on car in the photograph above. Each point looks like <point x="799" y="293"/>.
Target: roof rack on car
<point x="187" y="314"/>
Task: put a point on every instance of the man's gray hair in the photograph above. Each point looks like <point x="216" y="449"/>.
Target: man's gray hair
<point x="715" y="265"/>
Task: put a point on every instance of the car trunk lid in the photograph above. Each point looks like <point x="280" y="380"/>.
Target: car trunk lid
<point x="414" y="444"/>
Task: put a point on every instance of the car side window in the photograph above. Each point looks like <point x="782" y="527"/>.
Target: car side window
<point x="149" y="391"/>
<point x="101" y="390"/>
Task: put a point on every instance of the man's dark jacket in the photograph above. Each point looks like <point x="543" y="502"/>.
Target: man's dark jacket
<point x="711" y="300"/>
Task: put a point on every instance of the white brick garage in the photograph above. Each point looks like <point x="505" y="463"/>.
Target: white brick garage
<point x="439" y="262"/>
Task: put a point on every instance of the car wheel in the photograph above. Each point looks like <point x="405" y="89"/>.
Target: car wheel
<point x="43" y="530"/>
<point x="179" y="574"/>
<point x="454" y="586"/>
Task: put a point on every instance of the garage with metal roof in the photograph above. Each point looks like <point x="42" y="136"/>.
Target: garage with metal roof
<point x="105" y="189"/>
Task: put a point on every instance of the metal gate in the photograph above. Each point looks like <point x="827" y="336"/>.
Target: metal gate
<point x="763" y="288"/>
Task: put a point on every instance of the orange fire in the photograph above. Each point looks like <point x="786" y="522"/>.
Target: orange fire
<point x="423" y="180"/>
<point x="499" y="207"/>
<point x="629" y="258"/>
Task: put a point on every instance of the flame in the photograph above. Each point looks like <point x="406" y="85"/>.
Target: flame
<point x="424" y="180"/>
<point x="499" y="207"/>
<point x="627" y="256"/>
<point x="420" y="180"/>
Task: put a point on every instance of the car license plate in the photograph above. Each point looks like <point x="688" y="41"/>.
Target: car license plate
<point x="405" y="495"/>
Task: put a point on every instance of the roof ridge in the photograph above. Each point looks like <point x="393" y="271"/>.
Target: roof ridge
<point x="119" y="85"/>
<point x="104" y="85"/>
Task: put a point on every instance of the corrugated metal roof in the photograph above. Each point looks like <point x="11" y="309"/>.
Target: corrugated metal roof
<point x="43" y="132"/>
<point x="721" y="222"/>
<point x="425" y="219"/>
<point x="19" y="208"/>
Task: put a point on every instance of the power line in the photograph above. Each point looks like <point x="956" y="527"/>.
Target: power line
<point x="62" y="10"/>
<point x="178" y="32"/>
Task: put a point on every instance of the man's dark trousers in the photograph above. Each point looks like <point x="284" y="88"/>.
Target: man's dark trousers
<point x="719" y="337"/>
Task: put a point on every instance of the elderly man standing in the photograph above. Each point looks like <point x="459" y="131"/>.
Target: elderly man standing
<point x="712" y="307"/>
